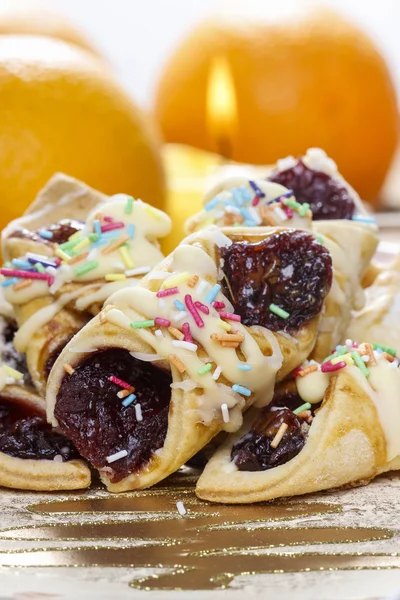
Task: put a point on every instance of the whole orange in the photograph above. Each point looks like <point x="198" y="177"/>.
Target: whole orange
<point x="313" y="79"/>
<point x="37" y="18"/>
<point x="61" y="110"/>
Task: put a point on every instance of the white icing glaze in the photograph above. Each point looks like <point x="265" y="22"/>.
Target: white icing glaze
<point x="39" y="319"/>
<point x="231" y="201"/>
<point x="259" y="380"/>
<point x="149" y="224"/>
<point x="313" y="386"/>
<point x="382" y="386"/>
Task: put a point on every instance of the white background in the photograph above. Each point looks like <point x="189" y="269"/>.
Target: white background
<point x="138" y="35"/>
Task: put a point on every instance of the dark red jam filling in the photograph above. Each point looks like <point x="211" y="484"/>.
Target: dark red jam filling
<point x="24" y="433"/>
<point x="8" y="353"/>
<point x="61" y="232"/>
<point x="90" y="413"/>
<point x="253" y="452"/>
<point x="328" y="198"/>
<point x="290" y="270"/>
<point x="52" y="357"/>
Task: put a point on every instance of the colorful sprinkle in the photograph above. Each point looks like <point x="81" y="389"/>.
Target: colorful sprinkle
<point x="141" y="324"/>
<point x="89" y="266"/>
<point x="279" y="311"/>
<point x="47" y="235"/>
<point x="230" y="316"/>
<point x="115" y="277"/>
<point x="38" y="258"/>
<point x="24" y="274"/>
<point x="162" y="322"/>
<point x="387" y="349"/>
<point x="185" y="345"/>
<point x="225" y="412"/>
<point x="113" y="457"/>
<point x="40" y="268"/>
<point x="202" y="307"/>
<point x="257" y="189"/>
<point x="213" y="293"/>
<point x="240" y="389"/>
<point x="83" y="243"/>
<point x="128" y="400"/>
<point x="179" y="305"/>
<point x="152" y="212"/>
<point x="126" y="257"/>
<point x="22" y="284"/>
<point x="115" y="245"/>
<point x="218" y="305"/>
<point x="120" y="382"/>
<point x="204" y="369"/>
<point x="193" y="280"/>
<point x="168" y="292"/>
<point x="299" y="409"/>
<point x="177" y="333"/>
<point x="97" y="226"/>
<point x="328" y="367"/>
<point x="131" y="231"/>
<point x="360" y="364"/>
<point x="138" y="412"/>
<point x="176" y="280"/>
<point x="61" y="254"/>
<point x="363" y="219"/>
<point x="112" y="226"/>
<point x="21" y="264"/>
<point x="217" y="373"/>
<point x="78" y="258"/>
<point x="193" y="311"/>
<point x="8" y="282"/>
<point x="303" y="210"/>
<point x="187" y="333"/>
<point x="244" y="367"/>
<point x="174" y="360"/>
<point x="224" y="325"/>
<point x="129" y="205"/>
<point x="69" y="369"/>
<point x="279" y="435"/>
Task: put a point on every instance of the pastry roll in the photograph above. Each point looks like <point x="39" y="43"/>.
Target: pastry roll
<point x="295" y="192"/>
<point x="336" y="424"/>
<point x="379" y="319"/>
<point x="178" y="358"/>
<point x="59" y="270"/>
<point x="32" y="455"/>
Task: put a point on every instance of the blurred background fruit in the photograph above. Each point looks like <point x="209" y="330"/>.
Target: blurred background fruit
<point x="38" y="18"/>
<point x="61" y="110"/>
<point x="308" y="79"/>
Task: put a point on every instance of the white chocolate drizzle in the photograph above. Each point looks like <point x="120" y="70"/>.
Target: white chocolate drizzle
<point x="258" y="380"/>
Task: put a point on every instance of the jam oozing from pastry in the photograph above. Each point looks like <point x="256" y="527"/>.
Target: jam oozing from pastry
<point x="328" y="197"/>
<point x="55" y="353"/>
<point x="289" y="269"/>
<point x="90" y="413"/>
<point x="61" y="232"/>
<point x="253" y="452"/>
<point x="24" y="433"/>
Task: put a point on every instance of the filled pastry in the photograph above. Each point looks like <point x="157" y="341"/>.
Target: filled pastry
<point x="32" y="455"/>
<point x="294" y="193"/>
<point x="332" y="425"/>
<point x="379" y="319"/>
<point x="170" y="363"/>
<point x="59" y="270"/>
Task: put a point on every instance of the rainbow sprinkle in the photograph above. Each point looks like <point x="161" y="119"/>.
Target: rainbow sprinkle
<point x="141" y="324"/>
<point x="128" y="400"/>
<point x="299" y="409"/>
<point x="240" y="389"/>
<point x="213" y="293"/>
<point x="205" y="369"/>
<point x="280" y="312"/>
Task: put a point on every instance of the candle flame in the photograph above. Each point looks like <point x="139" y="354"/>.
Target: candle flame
<point x="221" y="105"/>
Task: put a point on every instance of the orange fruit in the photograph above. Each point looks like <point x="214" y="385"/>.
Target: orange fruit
<point x="311" y="80"/>
<point x="61" y="110"/>
<point x="36" y="18"/>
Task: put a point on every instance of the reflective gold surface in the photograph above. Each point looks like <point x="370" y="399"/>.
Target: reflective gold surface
<point x="204" y="550"/>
